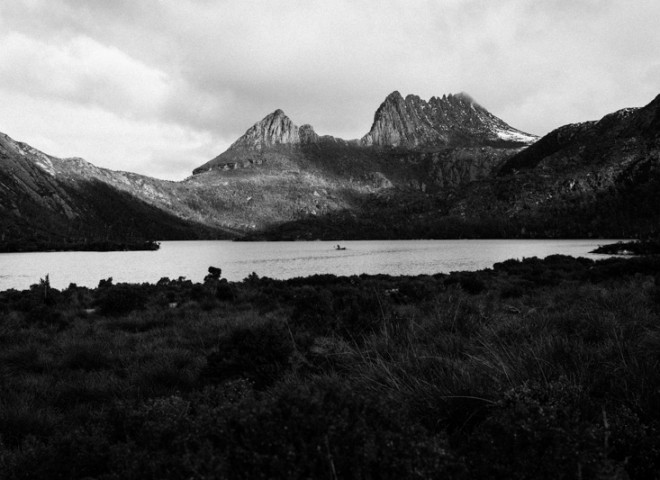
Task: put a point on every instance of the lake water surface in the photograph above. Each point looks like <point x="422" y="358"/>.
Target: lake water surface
<point x="191" y="259"/>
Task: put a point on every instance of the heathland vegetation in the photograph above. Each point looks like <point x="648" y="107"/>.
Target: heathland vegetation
<point x="532" y="369"/>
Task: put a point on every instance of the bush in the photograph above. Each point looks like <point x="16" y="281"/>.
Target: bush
<point x="469" y="282"/>
<point x="224" y="291"/>
<point x="358" y="313"/>
<point x="543" y="431"/>
<point x="259" y="354"/>
<point x="416" y="290"/>
<point x="330" y="430"/>
<point x="45" y="315"/>
<point x="312" y="309"/>
<point x="120" y="299"/>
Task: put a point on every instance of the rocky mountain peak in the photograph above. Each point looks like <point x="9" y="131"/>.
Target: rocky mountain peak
<point x="453" y="120"/>
<point x="395" y="97"/>
<point x="274" y="129"/>
<point x="450" y="120"/>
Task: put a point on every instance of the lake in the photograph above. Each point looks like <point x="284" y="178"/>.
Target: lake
<point x="237" y="260"/>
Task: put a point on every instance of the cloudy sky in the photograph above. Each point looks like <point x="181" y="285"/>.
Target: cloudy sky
<point x="160" y="87"/>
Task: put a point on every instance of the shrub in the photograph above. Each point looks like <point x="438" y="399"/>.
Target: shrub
<point x="224" y="291"/>
<point x="469" y="282"/>
<point x="359" y="313"/>
<point x="120" y="299"/>
<point x="86" y="356"/>
<point x="542" y="431"/>
<point x="259" y="354"/>
<point x="416" y="290"/>
<point x="312" y="309"/>
<point x="45" y="315"/>
<point x="214" y="274"/>
<point x="330" y="430"/>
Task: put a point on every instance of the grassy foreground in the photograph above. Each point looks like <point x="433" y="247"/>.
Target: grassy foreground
<point x="532" y="369"/>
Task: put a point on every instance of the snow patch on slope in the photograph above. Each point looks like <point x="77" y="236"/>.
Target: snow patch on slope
<point x="515" y="136"/>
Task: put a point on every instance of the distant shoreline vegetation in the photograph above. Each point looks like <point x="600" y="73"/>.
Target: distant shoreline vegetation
<point x="98" y="246"/>
<point x="637" y="247"/>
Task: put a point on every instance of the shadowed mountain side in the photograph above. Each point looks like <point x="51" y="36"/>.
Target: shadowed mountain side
<point x="507" y="207"/>
<point x="615" y="203"/>
<point x="283" y="184"/>
<point x="616" y="140"/>
<point x="598" y="177"/>
<point x="102" y="213"/>
<point x="70" y="200"/>
<point x="441" y="167"/>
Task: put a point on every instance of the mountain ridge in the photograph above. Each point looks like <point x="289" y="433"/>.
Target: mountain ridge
<point x="450" y="120"/>
<point x="453" y="120"/>
<point x="436" y="179"/>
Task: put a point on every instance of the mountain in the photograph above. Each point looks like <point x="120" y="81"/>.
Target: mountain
<point x="443" y="168"/>
<point x="591" y="179"/>
<point x="410" y="124"/>
<point x="274" y="131"/>
<point x="616" y="139"/>
<point x="46" y="199"/>
<point x="293" y="174"/>
<point x="274" y="174"/>
<point x="596" y="177"/>
<point x="452" y="120"/>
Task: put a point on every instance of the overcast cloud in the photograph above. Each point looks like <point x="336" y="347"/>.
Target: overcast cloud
<point x="160" y="87"/>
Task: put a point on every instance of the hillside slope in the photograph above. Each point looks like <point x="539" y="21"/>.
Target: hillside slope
<point x="48" y="199"/>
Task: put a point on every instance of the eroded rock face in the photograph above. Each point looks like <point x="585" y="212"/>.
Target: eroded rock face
<point x="307" y="134"/>
<point x="408" y="123"/>
<point x="450" y="120"/>
<point x="274" y="129"/>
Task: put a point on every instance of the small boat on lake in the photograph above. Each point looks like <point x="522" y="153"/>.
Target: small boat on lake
<point x="338" y="247"/>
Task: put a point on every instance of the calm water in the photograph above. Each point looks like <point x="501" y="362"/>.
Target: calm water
<point x="191" y="259"/>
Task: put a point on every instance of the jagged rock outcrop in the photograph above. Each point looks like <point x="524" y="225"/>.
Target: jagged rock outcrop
<point x="450" y="120"/>
<point x="410" y="123"/>
<point x="307" y="134"/>
<point x="274" y="129"/>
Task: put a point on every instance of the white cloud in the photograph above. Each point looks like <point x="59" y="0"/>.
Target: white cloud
<point x="82" y="71"/>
